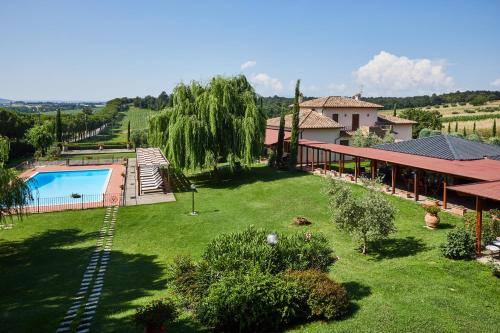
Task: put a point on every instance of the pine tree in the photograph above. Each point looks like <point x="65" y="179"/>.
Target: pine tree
<point x="449" y="127"/>
<point x="456" y="127"/>
<point x="494" y="129"/>
<point x="294" y="142"/>
<point x="394" y="112"/>
<point x="281" y="139"/>
<point x="128" y="132"/>
<point x="58" y="127"/>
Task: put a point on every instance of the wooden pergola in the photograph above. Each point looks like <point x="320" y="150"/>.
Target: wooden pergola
<point x="481" y="191"/>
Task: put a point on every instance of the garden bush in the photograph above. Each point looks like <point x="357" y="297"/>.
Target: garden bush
<point x="459" y="244"/>
<point x="249" y="248"/>
<point x="251" y="302"/>
<point x="490" y="228"/>
<point x="155" y="314"/>
<point x="325" y="298"/>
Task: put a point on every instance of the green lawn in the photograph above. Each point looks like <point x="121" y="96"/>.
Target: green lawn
<point x="405" y="286"/>
<point x="117" y="132"/>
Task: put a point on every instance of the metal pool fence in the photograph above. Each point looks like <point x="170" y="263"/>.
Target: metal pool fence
<point x="81" y="201"/>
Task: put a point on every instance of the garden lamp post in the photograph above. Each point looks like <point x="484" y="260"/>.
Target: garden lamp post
<point x="193" y="189"/>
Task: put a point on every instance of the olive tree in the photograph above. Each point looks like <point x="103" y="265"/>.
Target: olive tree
<point x="368" y="218"/>
<point x="40" y="137"/>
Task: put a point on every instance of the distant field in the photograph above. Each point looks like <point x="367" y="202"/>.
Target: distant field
<point x="455" y="109"/>
<point x="118" y="131"/>
<point x="72" y="111"/>
<point x="484" y="127"/>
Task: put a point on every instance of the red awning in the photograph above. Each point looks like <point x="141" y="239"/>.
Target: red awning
<point x="272" y="136"/>
<point x="488" y="190"/>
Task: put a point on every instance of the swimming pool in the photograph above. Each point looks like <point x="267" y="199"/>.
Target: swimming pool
<point x="62" y="184"/>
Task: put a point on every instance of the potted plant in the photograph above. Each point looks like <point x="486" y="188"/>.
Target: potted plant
<point x="431" y="216"/>
<point x="154" y="315"/>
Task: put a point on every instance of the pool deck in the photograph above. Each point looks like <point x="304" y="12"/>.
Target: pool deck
<point x="112" y="194"/>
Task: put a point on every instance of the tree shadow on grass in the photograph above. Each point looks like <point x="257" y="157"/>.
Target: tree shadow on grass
<point x="396" y="248"/>
<point x="356" y="292"/>
<point x="41" y="275"/>
<point x="225" y="179"/>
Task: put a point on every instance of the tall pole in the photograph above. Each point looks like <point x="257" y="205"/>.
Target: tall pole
<point x="479" y="221"/>
<point x="415" y="185"/>
<point x="393" y="178"/>
<point x="445" y="195"/>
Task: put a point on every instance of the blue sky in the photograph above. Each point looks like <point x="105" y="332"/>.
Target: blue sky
<point x="96" y="50"/>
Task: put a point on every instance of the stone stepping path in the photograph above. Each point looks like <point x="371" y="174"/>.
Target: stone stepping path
<point x="81" y="312"/>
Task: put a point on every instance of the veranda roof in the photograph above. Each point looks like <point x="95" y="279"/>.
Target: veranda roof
<point x="483" y="169"/>
<point x="488" y="190"/>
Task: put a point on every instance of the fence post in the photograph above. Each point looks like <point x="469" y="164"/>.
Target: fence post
<point x="103" y="199"/>
<point x="38" y="204"/>
<point x="82" y="201"/>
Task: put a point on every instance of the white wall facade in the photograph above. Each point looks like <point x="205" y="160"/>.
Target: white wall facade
<point x="403" y="132"/>
<point x="329" y="135"/>
<point x="367" y="116"/>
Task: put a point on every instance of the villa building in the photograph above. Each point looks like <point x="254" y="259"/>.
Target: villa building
<point x="334" y="119"/>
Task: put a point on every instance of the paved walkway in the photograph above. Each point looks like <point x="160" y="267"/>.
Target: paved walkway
<point x="80" y="314"/>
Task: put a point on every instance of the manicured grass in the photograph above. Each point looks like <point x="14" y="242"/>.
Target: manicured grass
<point x="406" y="285"/>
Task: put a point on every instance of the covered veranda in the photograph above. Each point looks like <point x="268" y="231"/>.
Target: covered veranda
<point x="480" y="178"/>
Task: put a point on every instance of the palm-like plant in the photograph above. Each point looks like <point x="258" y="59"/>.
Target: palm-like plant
<point x="14" y="191"/>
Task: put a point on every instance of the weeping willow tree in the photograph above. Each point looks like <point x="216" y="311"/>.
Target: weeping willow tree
<point x="207" y="124"/>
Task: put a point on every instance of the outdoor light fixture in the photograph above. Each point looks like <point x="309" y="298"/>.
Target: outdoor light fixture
<point x="272" y="239"/>
<point x="193" y="189"/>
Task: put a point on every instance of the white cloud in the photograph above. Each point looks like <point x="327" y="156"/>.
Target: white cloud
<point x="264" y="80"/>
<point x="334" y="88"/>
<point x="388" y="74"/>
<point x="496" y="83"/>
<point x="248" y="64"/>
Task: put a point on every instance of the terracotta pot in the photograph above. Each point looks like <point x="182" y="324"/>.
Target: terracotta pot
<point x="431" y="221"/>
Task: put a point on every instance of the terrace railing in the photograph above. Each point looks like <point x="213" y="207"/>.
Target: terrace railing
<point x="76" y="202"/>
<point x="71" y="162"/>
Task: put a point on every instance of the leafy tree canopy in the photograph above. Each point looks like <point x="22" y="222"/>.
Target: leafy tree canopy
<point x="208" y="123"/>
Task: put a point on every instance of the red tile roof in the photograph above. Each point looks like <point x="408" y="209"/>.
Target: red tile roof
<point x="272" y="136"/>
<point x="338" y="102"/>
<point x="484" y="169"/>
<point x="489" y="190"/>
<point x="386" y="118"/>
<point x="307" y="119"/>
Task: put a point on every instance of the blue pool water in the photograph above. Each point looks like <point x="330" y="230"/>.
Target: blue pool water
<point x="63" y="183"/>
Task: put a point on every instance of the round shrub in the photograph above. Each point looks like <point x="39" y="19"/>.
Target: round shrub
<point x="249" y="248"/>
<point x="155" y="314"/>
<point x="325" y="298"/>
<point x="250" y="302"/>
<point x="459" y="244"/>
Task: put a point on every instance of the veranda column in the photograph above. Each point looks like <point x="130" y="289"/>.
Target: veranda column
<point x="479" y="221"/>
<point x="341" y="164"/>
<point x="300" y="156"/>
<point x="307" y="157"/>
<point x="393" y="178"/>
<point x="312" y="162"/>
<point x="324" y="158"/>
<point x="445" y="195"/>
<point x="356" y="170"/>
<point x="415" y="184"/>
<point x="317" y="158"/>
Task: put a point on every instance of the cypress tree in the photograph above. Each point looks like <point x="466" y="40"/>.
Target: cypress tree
<point x="281" y="139"/>
<point x="294" y="142"/>
<point x="465" y="132"/>
<point x="449" y="127"/>
<point x="58" y="126"/>
<point x="128" y="132"/>
<point x="494" y="129"/>
<point x="394" y="112"/>
<point x="474" y="128"/>
<point x="456" y="127"/>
